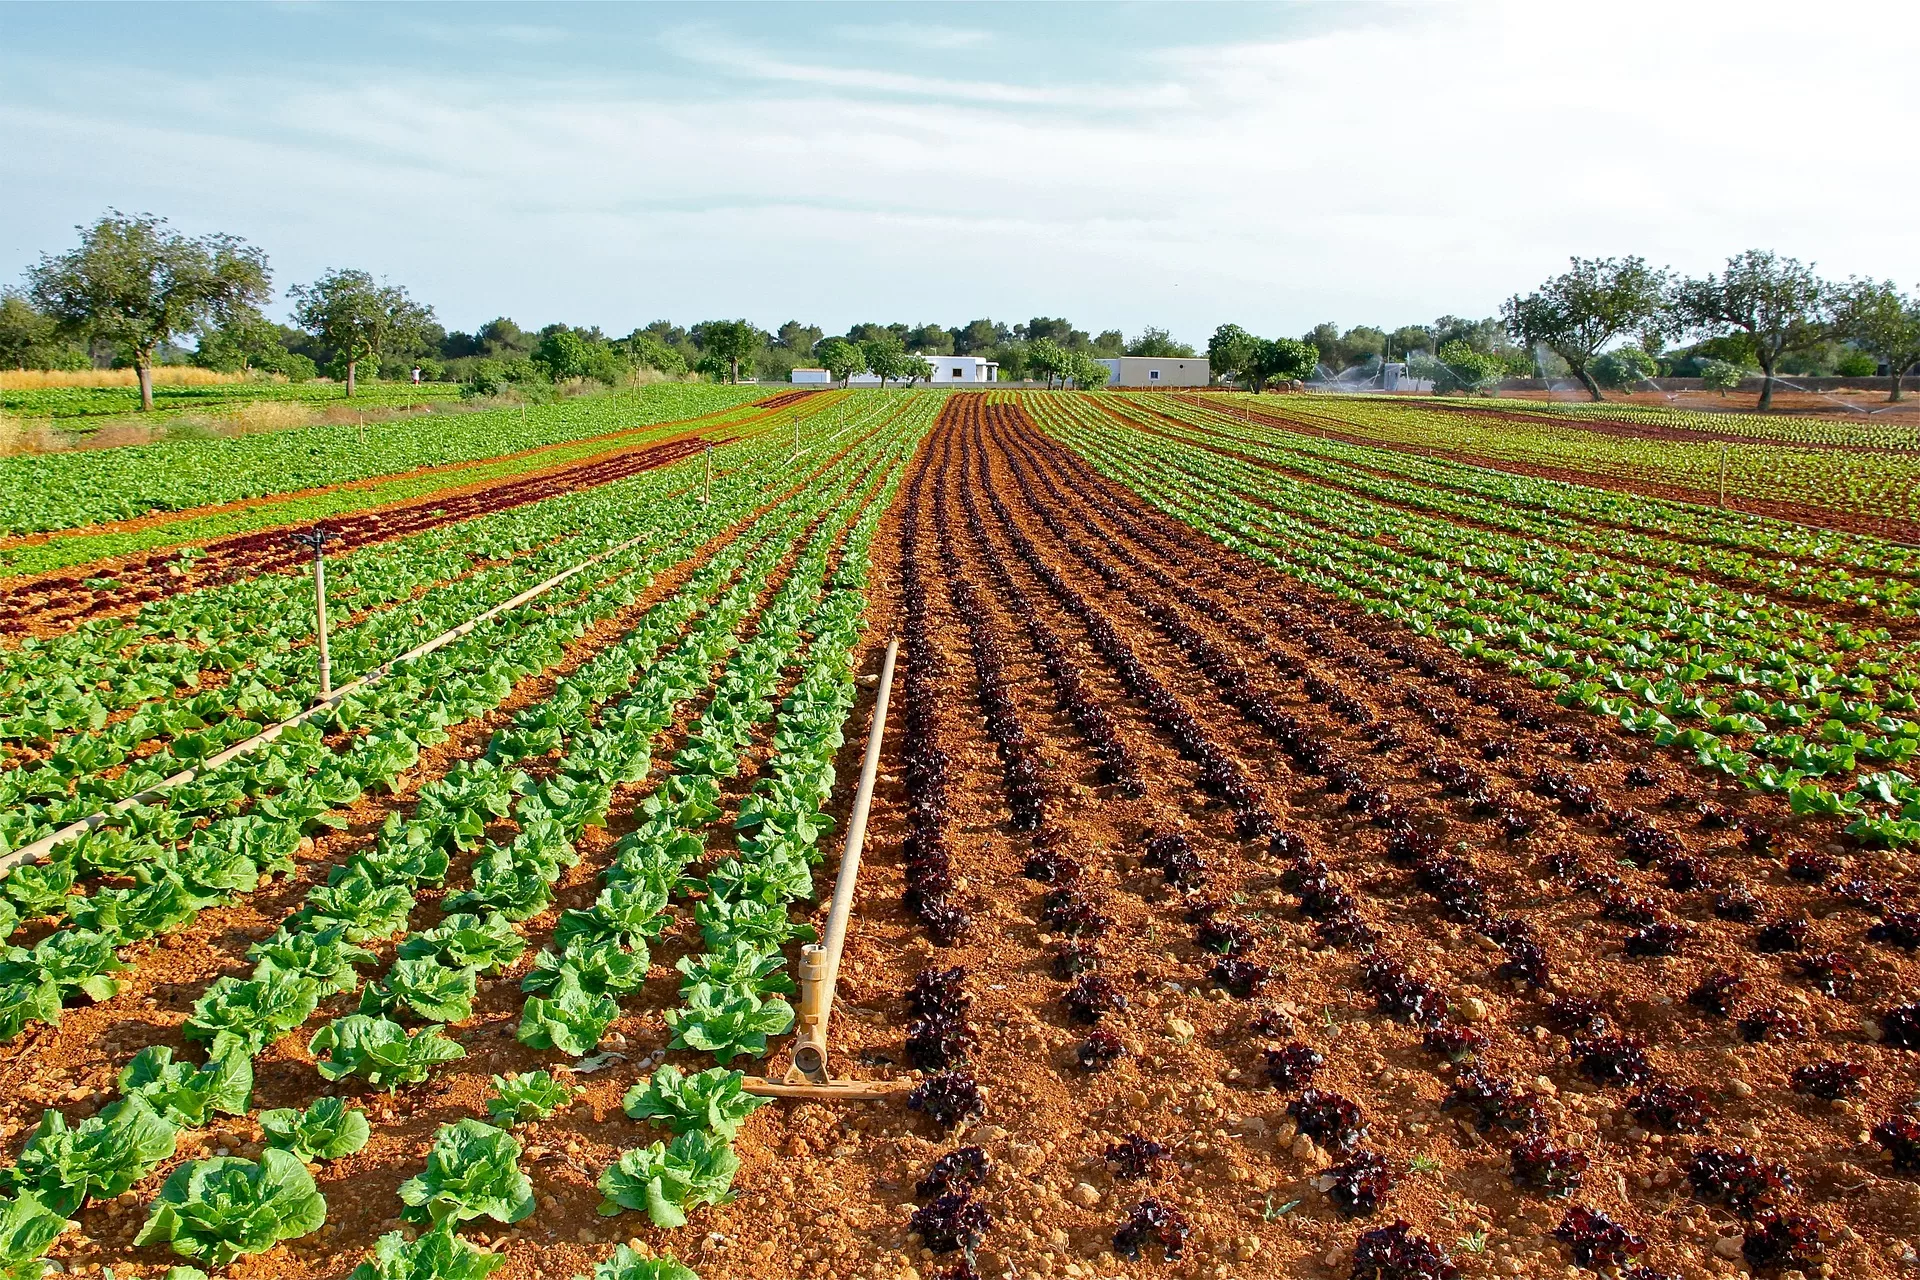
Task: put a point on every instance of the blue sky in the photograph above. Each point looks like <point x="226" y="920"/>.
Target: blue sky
<point x="1123" y="165"/>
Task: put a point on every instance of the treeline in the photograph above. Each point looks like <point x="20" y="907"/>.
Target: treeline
<point x="135" y="293"/>
<point x="1608" y="322"/>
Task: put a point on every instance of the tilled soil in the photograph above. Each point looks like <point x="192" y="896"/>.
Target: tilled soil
<point x="1193" y="1075"/>
<point x="1082" y="675"/>
<point x="55" y="603"/>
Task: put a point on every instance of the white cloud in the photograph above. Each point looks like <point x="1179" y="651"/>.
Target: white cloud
<point x="1435" y="160"/>
<point x="914" y="35"/>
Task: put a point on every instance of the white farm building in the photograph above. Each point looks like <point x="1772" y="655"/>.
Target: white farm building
<point x="811" y="375"/>
<point x="1157" y="371"/>
<point x="944" y="369"/>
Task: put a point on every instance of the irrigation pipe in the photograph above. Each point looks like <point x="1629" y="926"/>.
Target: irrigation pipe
<point x="39" y="849"/>
<point x="820" y="962"/>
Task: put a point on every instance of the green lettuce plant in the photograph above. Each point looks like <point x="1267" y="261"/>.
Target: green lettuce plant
<point x="221" y="1208"/>
<point x="327" y="1130"/>
<point x="472" y="1171"/>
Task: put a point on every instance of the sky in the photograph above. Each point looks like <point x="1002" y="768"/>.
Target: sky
<point x="1180" y="165"/>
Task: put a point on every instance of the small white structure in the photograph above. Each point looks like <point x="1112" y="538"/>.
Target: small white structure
<point x="811" y="375"/>
<point x="1157" y="371"/>
<point x="944" y="369"/>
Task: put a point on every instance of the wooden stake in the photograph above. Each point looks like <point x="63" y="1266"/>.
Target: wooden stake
<point x="706" y="499"/>
<point x="1723" y="477"/>
<point x="809" y="1075"/>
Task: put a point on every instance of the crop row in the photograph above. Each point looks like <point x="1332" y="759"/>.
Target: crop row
<point x="1750" y="552"/>
<point x="434" y="972"/>
<point x="1651" y="658"/>
<point x="52" y="491"/>
<point x="1807" y="477"/>
<point x="1774" y="1236"/>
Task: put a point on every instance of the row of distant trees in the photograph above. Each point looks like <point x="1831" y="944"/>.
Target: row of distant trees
<point x="1607" y="322"/>
<point x="1775" y="305"/>
<point x="134" y="290"/>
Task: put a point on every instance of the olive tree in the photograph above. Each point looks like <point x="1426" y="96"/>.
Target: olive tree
<point x="1576" y="313"/>
<point x="1778" y="302"/>
<point x="1231" y="351"/>
<point x="731" y="341"/>
<point x="138" y="283"/>
<point x="1883" y="322"/>
<point x="887" y="358"/>
<point x="841" y="359"/>
<point x="1049" y="358"/>
<point x="358" y="317"/>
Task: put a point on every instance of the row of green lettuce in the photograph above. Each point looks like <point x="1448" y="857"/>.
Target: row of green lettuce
<point x="52" y="491"/>
<point x="431" y="976"/>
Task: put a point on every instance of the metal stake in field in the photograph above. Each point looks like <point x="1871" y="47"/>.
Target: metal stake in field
<point x="1723" y="477"/>
<point x="316" y="540"/>
<point x="706" y="497"/>
<point x="796" y="439"/>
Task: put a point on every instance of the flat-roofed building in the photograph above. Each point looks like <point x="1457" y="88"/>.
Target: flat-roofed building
<point x="1157" y="371"/>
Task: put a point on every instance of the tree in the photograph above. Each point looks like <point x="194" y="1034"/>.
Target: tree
<point x="729" y="340"/>
<point x="798" y="338"/>
<point x="502" y="338"/>
<point x="1458" y="367"/>
<point x="243" y="342"/>
<point x="1362" y="344"/>
<point x="979" y="336"/>
<point x="1325" y="338"/>
<point x="1231" y="351"/>
<point x="1045" y="328"/>
<point x="1047" y="357"/>
<point x="1088" y="373"/>
<point x="1284" y="358"/>
<point x="841" y="359"/>
<point x="1718" y="375"/>
<point x="1157" y="342"/>
<point x="1577" y="313"/>
<point x="647" y="351"/>
<point x="1883" y="322"/>
<point x="1624" y="367"/>
<point x="24" y="333"/>
<point x="931" y="339"/>
<point x="137" y="283"/>
<point x="359" y="317"/>
<point x="1109" y="343"/>
<point x="887" y="358"/>
<point x="1776" y="301"/>
<point x="1407" y="339"/>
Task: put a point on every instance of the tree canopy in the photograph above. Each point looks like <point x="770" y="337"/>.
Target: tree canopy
<point x="1879" y="319"/>
<point x="1577" y="313"/>
<point x="358" y="317"/>
<point x="841" y="359"/>
<point x="137" y="283"/>
<point x="730" y="342"/>
<point x="1776" y="301"/>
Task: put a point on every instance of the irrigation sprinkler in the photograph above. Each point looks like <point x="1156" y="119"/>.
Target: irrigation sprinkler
<point x="316" y="540"/>
<point x="809" y="1075"/>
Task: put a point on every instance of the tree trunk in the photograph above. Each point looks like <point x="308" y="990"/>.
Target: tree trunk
<point x="143" y="369"/>
<point x="1896" y="373"/>
<point x="352" y="366"/>
<point x="734" y="375"/>
<point x="1586" y="380"/>
<point x="1766" y="386"/>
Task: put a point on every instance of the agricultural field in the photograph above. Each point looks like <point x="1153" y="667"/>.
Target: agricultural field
<point x="72" y="405"/>
<point x="1298" y="850"/>
<point x="1859" y="474"/>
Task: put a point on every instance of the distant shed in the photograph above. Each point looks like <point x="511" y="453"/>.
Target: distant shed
<point x="1158" y="371"/>
<point x="811" y="375"/>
